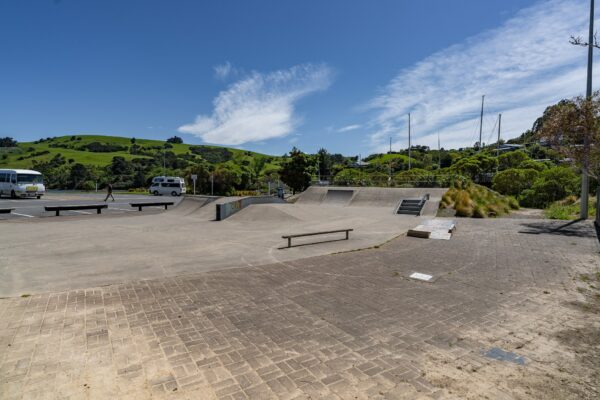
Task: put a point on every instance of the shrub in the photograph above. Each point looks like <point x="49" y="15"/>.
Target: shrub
<point x="552" y="185"/>
<point x="511" y="159"/>
<point x="212" y="154"/>
<point x="477" y="201"/>
<point x="479" y="212"/>
<point x="97" y="147"/>
<point x="513" y="181"/>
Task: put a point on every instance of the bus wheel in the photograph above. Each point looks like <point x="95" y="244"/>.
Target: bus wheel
<point x="156" y="193"/>
<point x="38" y="197"/>
<point x="173" y="193"/>
<point x="13" y="195"/>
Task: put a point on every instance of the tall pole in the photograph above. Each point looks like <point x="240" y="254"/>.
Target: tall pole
<point x="481" y="122"/>
<point x="390" y="145"/>
<point x="498" y="142"/>
<point x="583" y="212"/>
<point x="409" y="141"/>
<point x="212" y="184"/>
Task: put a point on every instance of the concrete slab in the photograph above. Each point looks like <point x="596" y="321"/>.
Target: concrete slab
<point x="89" y="250"/>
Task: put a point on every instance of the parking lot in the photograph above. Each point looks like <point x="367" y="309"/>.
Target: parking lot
<point x="33" y="208"/>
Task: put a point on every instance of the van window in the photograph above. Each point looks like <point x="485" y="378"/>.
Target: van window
<point x="2" y="177"/>
<point x="175" y="185"/>
<point x="164" y="184"/>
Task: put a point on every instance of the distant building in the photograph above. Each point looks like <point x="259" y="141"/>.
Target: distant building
<point x="510" y="147"/>
<point x="359" y="164"/>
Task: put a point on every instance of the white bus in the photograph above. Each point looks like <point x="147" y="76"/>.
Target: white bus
<point x="172" y="185"/>
<point x="21" y="183"/>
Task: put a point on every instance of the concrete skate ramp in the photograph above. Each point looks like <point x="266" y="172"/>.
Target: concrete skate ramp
<point x="262" y="213"/>
<point x="338" y="197"/>
<point x="376" y="197"/>
<point x="191" y="205"/>
<point x="312" y="195"/>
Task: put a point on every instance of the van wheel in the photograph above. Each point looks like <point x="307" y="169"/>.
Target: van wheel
<point x="38" y="197"/>
<point x="173" y="193"/>
<point x="156" y="193"/>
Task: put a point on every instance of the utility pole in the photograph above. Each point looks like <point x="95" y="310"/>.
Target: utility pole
<point x="409" y="141"/>
<point x="591" y="43"/>
<point x="212" y="183"/>
<point x="390" y="145"/>
<point x="498" y="142"/>
<point x="585" y="186"/>
<point x="481" y="122"/>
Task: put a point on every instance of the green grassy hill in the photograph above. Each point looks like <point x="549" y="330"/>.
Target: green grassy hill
<point x="74" y="148"/>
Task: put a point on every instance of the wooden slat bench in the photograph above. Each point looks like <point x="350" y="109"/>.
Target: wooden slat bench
<point x="76" y="207"/>
<point x="6" y="210"/>
<point x="289" y="237"/>
<point x="152" y="204"/>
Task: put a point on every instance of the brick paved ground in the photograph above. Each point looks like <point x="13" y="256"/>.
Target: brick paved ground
<point x="344" y="326"/>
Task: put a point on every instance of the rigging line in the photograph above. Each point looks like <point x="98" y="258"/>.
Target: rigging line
<point x="491" y="134"/>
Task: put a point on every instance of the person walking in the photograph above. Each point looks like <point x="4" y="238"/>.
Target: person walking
<point x="109" y="191"/>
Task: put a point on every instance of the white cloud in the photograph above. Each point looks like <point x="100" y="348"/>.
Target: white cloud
<point x="522" y="67"/>
<point x="260" y="106"/>
<point x="349" y="128"/>
<point x="226" y="70"/>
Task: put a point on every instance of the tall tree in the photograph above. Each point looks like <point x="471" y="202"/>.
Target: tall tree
<point x="8" y="142"/>
<point x="565" y="125"/>
<point x="294" y="173"/>
<point x="175" y="140"/>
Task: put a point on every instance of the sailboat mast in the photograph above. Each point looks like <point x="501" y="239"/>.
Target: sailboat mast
<point x="481" y="122"/>
<point x="409" y="141"/>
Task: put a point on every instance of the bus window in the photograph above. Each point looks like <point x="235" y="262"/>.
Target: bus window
<point x="29" y="178"/>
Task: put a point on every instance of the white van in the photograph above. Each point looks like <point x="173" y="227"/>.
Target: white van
<point x="172" y="185"/>
<point x="21" y="183"/>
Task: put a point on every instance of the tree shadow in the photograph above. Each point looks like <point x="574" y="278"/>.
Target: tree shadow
<point x="576" y="228"/>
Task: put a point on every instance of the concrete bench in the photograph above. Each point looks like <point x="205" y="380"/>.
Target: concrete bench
<point x="290" y="237"/>
<point x="76" y="207"/>
<point x="152" y="204"/>
<point x="6" y="210"/>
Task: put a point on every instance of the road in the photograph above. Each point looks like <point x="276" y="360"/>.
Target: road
<point x="34" y="208"/>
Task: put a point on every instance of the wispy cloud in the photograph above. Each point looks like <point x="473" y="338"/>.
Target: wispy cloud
<point x="523" y="66"/>
<point x="260" y="106"/>
<point x="225" y="70"/>
<point x="349" y="128"/>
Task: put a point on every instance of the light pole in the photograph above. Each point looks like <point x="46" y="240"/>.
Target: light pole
<point x="585" y="186"/>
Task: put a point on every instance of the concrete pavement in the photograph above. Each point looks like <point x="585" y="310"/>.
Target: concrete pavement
<point x="343" y="326"/>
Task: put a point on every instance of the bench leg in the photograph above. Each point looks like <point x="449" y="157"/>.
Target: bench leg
<point x="139" y="208"/>
<point x="99" y="211"/>
<point x="165" y="206"/>
<point x="289" y="242"/>
<point x="347" y="233"/>
<point x="57" y="213"/>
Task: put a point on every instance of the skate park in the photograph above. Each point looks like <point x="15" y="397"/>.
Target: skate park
<point x="84" y="249"/>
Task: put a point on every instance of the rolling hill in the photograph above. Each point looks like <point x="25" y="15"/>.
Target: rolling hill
<point x="95" y="150"/>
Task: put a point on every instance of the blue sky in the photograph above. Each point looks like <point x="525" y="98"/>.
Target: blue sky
<point x="269" y="75"/>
